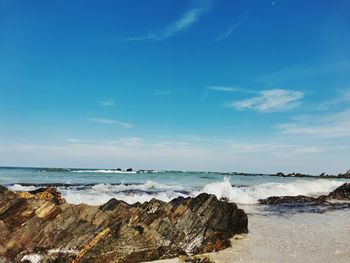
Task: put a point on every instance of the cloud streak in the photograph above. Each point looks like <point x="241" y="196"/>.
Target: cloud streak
<point x="343" y="97"/>
<point x="335" y="125"/>
<point x="226" y="34"/>
<point x="270" y="101"/>
<point x="185" y="21"/>
<point x="229" y="89"/>
<point x="111" y="122"/>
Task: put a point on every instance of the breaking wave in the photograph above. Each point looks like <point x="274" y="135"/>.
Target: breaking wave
<point x="251" y="194"/>
<point x="97" y="194"/>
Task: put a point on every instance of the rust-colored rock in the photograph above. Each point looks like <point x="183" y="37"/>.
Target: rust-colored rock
<point x="40" y="224"/>
<point x="48" y="194"/>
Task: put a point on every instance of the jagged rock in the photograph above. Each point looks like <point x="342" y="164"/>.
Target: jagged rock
<point x="48" y="194"/>
<point x="341" y="193"/>
<point x="55" y="231"/>
<point x="274" y="200"/>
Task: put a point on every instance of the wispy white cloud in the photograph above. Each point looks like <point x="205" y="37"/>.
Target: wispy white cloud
<point x="335" y="125"/>
<point x="229" y="89"/>
<point x="107" y="103"/>
<point x="270" y="101"/>
<point x="343" y="97"/>
<point x="183" y="23"/>
<point x="260" y="147"/>
<point x="277" y="149"/>
<point x="110" y="121"/>
<point x="226" y="34"/>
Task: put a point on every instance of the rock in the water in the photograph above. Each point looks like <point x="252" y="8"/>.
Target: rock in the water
<point x="341" y="193"/>
<point x="49" y="228"/>
<point x="274" y="200"/>
<point x="347" y="174"/>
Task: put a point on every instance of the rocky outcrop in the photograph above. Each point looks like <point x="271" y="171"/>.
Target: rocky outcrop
<point x="48" y="194"/>
<point x="341" y="193"/>
<point x="41" y="225"/>
<point x="345" y="175"/>
<point x="322" y="175"/>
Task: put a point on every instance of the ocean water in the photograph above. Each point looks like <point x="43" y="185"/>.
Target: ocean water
<point x="97" y="186"/>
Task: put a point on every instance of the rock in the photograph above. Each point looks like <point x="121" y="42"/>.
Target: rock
<point x="347" y="174"/>
<point x="341" y="193"/>
<point x="195" y="259"/>
<point x="129" y="170"/>
<point x="43" y="225"/>
<point x="48" y="194"/>
<point x="274" y="200"/>
<point x="280" y="174"/>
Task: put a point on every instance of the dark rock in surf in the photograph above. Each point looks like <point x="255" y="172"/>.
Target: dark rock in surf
<point x="274" y="200"/>
<point x="346" y="175"/>
<point x="280" y="174"/>
<point x="54" y="231"/>
<point x="341" y="193"/>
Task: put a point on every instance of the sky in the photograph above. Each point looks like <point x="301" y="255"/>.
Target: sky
<point x="248" y="86"/>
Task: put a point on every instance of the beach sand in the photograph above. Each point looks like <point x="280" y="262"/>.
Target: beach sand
<point x="301" y="237"/>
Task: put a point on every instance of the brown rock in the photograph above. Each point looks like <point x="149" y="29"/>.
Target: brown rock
<point x="40" y="222"/>
<point x="48" y="194"/>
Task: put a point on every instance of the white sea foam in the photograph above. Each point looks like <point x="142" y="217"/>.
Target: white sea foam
<point x="148" y="185"/>
<point x="251" y="194"/>
<point x="131" y="193"/>
<point x="91" y="198"/>
<point x="102" y="193"/>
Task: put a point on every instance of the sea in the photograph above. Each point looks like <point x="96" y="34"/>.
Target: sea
<point x="276" y="233"/>
<point x="97" y="186"/>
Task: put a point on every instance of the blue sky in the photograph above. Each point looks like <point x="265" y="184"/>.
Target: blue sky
<point x="254" y="86"/>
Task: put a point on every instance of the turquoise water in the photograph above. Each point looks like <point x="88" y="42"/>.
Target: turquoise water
<point x="98" y="186"/>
